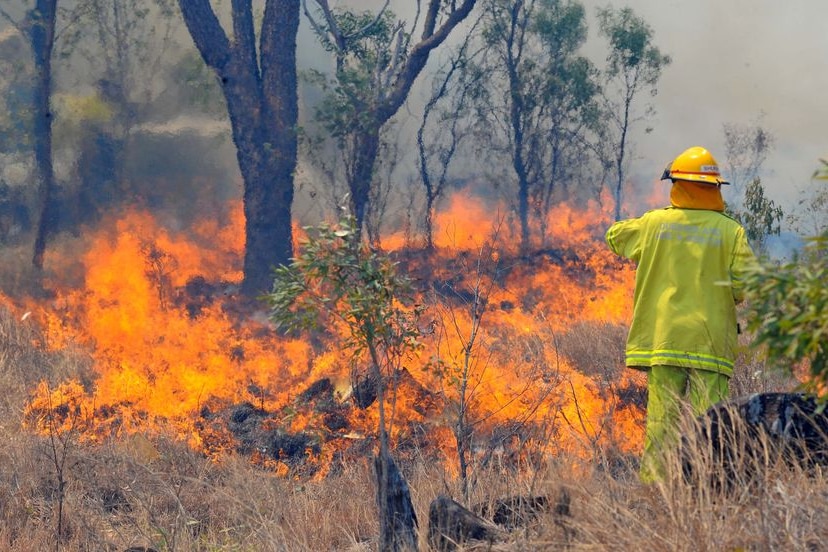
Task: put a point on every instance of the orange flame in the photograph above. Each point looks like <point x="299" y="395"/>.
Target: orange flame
<point x="168" y="350"/>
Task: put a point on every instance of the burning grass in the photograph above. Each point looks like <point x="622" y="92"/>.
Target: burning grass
<point x="158" y="410"/>
<point x="170" y="347"/>
<point x="59" y="491"/>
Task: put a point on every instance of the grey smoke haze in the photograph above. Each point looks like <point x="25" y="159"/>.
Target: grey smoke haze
<point x="733" y="61"/>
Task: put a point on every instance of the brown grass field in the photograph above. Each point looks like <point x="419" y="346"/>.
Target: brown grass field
<point x="154" y="492"/>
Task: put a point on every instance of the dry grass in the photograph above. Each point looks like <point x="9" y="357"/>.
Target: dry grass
<point x="154" y="491"/>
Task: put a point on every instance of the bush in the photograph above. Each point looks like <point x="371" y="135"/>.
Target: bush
<point x="788" y="311"/>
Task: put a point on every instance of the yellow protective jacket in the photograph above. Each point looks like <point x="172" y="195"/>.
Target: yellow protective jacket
<point x="689" y="263"/>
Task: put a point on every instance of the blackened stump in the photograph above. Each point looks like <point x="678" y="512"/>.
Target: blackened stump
<point x="741" y="436"/>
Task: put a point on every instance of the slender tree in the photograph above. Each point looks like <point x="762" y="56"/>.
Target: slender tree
<point x="336" y="277"/>
<point x="39" y="27"/>
<point x="746" y="148"/>
<point x="634" y="65"/>
<point x="445" y="124"/>
<point x="376" y="65"/>
<point x="542" y="106"/>
<point x="259" y="83"/>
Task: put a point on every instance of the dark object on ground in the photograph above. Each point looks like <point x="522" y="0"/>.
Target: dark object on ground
<point x="742" y="436"/>
<point x="398" y="520"/>
<point x="450" y="525"/>
<point x="518" y="511"/>
<point x="365" y="391"/>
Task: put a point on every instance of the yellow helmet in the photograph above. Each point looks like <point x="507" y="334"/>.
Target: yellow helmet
<point x="696" y="165"/>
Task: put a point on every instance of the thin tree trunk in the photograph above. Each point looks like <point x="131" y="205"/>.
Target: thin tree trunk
<point x="365" y="156"/>
<point x="398" y="520"/>
<point x="42" y="36"/>
<point x="619" y="162"/>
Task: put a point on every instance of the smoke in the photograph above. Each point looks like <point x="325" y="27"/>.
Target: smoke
<point x="732" y="62"/>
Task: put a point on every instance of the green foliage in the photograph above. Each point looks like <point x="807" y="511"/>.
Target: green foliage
<point x="366" y="49"/>
<point x="631" y="49"/>
<point x="788" y="310"/>
<point x="336" y="278"/>
<point x="761" y="216"/>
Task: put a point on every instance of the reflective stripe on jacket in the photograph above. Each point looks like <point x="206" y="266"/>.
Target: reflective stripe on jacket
<point x="689" y="263"/>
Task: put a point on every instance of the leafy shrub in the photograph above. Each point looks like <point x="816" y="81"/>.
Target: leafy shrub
<point x="789" y="311"/>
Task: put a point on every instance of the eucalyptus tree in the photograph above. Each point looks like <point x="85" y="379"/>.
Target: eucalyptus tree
<point x="446" y="123"/>
<point x="760" y="215"/>
<point x="38" y="26"/>
<point x="574" y="119"/>
<point x="542" y="111"/>
<point x="376" y="62"/>
<point x="634" y="65"/>
<point x="746" y="149"/>
<point x="256" y="69"/>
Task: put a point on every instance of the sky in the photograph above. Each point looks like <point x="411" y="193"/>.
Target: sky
<point x="733" y="61"/>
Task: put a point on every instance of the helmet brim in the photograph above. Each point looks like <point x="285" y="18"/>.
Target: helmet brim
<point x="700" y="178"/>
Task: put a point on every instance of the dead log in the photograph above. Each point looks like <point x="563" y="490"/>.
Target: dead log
<point x="398" y="522"/>
<point x="450" y="525"/>
<point x="740" y="437"/>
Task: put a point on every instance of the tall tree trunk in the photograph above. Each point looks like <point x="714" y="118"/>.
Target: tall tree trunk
<point x="42" y="38"/>
<point x="260" y="88"/>
<point x="518" y="161"/>
<point x="517" y="112"/>
<point x="365" y="154"/>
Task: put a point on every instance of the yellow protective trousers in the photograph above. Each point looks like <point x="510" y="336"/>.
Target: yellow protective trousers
<point x="668" y="389"/>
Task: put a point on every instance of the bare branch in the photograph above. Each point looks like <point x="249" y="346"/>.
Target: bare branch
<point x="339" y="40"/>
<point x="315" y="25"/>
<point x="418" y="56"/>
<point x="8" y="18"/>
<point x="72" y="18"/>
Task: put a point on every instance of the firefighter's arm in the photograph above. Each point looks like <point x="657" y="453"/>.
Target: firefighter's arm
<point x="622" y="238"/>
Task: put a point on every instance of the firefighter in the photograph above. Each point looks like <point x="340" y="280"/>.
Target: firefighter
<point x="689" y="258"/>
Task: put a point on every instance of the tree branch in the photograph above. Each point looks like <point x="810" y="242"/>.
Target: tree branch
<point x="418" y="57"/>
<point x="207" y="33"/>
<point x="244" y="34"/>
<point x="10" y="20"/>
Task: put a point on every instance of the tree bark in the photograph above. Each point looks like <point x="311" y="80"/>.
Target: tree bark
<point x="260" y="89"/>
<point x="41" y="27"/>
<point x="398" y="520"/>
<point x="365" y="157"/>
